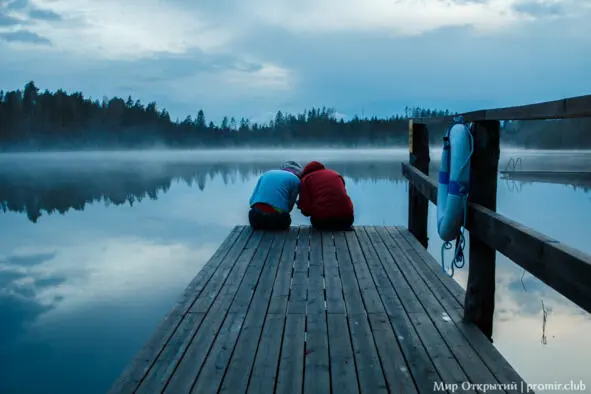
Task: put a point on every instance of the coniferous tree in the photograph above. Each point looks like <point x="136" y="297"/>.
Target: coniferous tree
<point x="31" y="120"/>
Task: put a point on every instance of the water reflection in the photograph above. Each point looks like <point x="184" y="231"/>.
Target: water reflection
<point x="81" y="291"/>
<point x="577" y="180"/>
<point x="38" y="187"/>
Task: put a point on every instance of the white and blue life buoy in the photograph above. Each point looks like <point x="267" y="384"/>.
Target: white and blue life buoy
<point x="454" y="186"/>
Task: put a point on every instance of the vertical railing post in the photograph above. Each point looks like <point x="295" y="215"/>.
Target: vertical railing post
<point x="418" y="205"/>
<point x="479" y="304"/>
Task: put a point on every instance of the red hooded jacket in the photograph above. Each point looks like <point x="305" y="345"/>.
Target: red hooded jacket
<point x="323" y="194"/>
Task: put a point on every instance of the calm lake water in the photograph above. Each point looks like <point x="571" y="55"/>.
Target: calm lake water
<point x="95" y="248"/>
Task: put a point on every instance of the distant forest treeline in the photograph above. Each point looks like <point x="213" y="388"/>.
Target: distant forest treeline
<point x="30" y="120"/>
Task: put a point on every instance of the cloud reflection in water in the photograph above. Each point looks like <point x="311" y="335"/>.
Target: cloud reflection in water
<point x="81" y="291"/>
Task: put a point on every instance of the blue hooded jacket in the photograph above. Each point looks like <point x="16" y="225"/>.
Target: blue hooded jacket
<point x="278" y="188"/>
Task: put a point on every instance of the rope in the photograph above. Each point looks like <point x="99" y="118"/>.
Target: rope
<point x="458" y="260"/>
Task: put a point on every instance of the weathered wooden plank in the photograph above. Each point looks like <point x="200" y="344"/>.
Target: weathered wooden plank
<point x="444" y="360"/>
<point x="369" y="369"/>
<point x="342" y="362"/>
<point x="298" y="295"/>
<point x="303" y="251"/>
<point x="386" y="349"/>
<point x="398" y="372"/>
<point x="210" y="377"/>
<point x="226" y="252"/>
<point x="315" y="301"/>
<point x="495" y="362"/>
<point x="264" y="372"/>
<point x="390" y="300"/>
<point x="317" y="376"/>
<point x="146" y="357"/>
<point x="291" y="364"/>
<point x="372" y="301"/>
<point x="421" y="182"/>
<point x="334" y="288"/>
<point x="241" y="363"/>
<point x="450" y="284"/>
<point x="329" y="251"/>
<point x="282" y="285"/>
<point x="418" y="206"/>
<point x="351" y="292"/>
<point x="571" y="107"/>
<point x="190" y="364"/>
<point x="400" y="349"/>
<point x="299" y="285"/>
<point x="561" y="267"/>
<point x="248" y="282"/>
<point x="441" y="355"/>
<point x="377" y="256"/>
<point x="221" y="275"/>
<point x="470" y="362"/>
<point x="574" y="107"/>
<point x="167" y="361"/>
<point x="315" y="247"/>
<point x="364" y="277"/>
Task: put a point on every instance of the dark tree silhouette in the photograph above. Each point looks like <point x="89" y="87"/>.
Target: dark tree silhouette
<point x="30" y="120"/>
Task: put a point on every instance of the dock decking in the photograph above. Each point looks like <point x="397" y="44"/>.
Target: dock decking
<point x="302" y="311"/>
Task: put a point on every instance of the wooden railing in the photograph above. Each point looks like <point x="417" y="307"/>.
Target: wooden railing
<point x="561" y="267"/>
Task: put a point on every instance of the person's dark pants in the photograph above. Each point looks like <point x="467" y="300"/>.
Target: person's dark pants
<point x="260" y="220"/>
<point x="332" y="223"/>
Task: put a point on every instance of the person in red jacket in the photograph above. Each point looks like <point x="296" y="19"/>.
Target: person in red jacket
<point x="324" y="198"/>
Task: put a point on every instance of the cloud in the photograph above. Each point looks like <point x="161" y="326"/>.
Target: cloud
<point x="114" y="268"/>
<point x="29" y="259"/>
<point x="8" y="276"/>
<point x="15" y="314"/>
<point x="537" y="8"/>
<point x="45" y="15"/>
<point x="6" y="20"/>
<point x="105" y="29"/>
<point x="471" y="1"/>
<point x="403" y="17"/>
<point x="15" y="4"/>
<point x="24" y="36"/>
<point x="375" y="56"/>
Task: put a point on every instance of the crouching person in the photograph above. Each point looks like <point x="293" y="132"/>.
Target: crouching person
<point x="324" y="198"/>
<point x="274" y="196"/>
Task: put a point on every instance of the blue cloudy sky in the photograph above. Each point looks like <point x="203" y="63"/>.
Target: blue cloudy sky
<point x="252" y="57"/>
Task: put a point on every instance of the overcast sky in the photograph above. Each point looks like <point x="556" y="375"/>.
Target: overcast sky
<point x="252" y="57"/>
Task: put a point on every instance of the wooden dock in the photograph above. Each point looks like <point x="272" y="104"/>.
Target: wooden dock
<point x="362" y="311"/>
<point x="302" y="311"/>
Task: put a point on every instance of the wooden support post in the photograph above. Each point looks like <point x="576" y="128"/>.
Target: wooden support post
<point x="418" y="205"/>
<point x="479" y="304"/>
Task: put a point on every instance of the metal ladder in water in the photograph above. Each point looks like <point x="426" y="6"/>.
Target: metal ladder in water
<point x="512" y="185"/>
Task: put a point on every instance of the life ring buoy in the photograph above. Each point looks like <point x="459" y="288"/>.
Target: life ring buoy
<point x="454" y="180"/>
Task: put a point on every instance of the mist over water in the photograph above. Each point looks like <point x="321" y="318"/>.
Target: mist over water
<point x="95" y="247"/>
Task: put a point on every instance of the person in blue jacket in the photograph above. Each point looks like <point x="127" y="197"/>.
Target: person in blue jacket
<point x="274" y="197"/>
